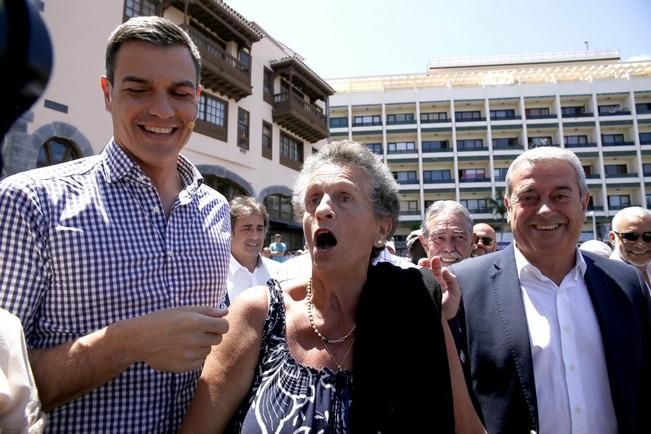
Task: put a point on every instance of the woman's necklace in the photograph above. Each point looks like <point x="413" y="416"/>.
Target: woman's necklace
<point x="325" y="339"/>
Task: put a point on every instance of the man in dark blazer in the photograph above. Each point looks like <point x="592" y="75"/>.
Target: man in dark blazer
<point x="552" y="340"/>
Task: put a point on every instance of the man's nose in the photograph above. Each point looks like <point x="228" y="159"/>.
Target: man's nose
<point x="324" y="208"/>
<point x="161" y="106"/>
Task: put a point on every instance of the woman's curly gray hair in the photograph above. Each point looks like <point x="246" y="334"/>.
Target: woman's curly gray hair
<point x="383" y="188"/>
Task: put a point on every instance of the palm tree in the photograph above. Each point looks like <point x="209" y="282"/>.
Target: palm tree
<point x="496" y="205"/>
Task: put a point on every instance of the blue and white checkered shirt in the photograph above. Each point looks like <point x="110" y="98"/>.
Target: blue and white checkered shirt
<point x="85" y="244"/>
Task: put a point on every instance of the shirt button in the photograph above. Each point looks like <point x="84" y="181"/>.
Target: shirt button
<point x="170" y="254"/>
<point x="572" y="368"/>
<point x="154" y="210"/>
<point x="566" y="328"/>
<point x="578" y="409"/>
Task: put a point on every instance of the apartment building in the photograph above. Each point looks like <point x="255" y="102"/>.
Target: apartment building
<point x="452" y="132"/>
<point x="261" y="112"/>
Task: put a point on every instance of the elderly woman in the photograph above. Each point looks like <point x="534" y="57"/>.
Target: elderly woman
<point x="354" y="347"/>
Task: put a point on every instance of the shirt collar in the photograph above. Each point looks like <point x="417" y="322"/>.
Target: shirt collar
<point x="234" y="265"/>
<point x="525" y="267"/>
<point x="118" y="165"/>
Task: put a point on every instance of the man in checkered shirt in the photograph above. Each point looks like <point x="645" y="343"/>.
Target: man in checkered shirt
<point x="116" y="264"/>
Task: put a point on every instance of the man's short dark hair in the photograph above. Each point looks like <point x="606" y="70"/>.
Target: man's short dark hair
<point x="243" y="206"/>
<point x="154" y="30"/>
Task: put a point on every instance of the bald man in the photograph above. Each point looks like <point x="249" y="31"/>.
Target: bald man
<point x="484" y="236"/>
<point x="631" y="236"/>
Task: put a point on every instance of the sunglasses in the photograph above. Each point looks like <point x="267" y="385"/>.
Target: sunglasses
<point x="634" y="236"/>
<point x="487" y="241"/>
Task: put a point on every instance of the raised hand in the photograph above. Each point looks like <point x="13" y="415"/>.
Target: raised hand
<point x="449" y="285"/>
<point x="175" y="340"/>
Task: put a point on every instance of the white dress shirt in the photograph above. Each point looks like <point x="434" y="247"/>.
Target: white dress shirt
<point x="240" y="278"/>
<point x="569" y="366"/>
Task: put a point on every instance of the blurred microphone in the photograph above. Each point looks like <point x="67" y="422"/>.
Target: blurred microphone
<point x="25" y="60"/>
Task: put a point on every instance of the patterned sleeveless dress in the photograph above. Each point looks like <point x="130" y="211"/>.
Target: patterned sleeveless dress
<point x="287" y="397"/>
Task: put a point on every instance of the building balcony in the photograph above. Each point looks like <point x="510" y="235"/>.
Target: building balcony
<point x="577" y="115"/>
<point x="302" y="118"/>
<point x="549" y="116"/>
<point x="464" y="180"/>
<point x="221" y="72"/>
<point x="619" y="144"/>
<point x="581" y="145"/>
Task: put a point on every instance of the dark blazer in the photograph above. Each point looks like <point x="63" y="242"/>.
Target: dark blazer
<point x="493" y="337"/>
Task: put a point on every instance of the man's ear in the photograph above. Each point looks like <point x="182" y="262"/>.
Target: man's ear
<point x="611" y="237"/>
<point x="106" y="91"/>
<point x="507" y="205"/>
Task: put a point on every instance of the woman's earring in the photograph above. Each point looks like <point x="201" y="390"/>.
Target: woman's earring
<point x="379" y="244"/>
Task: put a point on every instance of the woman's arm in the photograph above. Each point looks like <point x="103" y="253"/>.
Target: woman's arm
<point x="466" y="420"/>
<point x="228" y="372"/>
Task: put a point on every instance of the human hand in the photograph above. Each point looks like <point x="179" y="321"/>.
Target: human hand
<point x="176" y="339"/>
<point x="451" y="293"/>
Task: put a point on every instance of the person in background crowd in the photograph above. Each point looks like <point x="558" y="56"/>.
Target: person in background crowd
<point x="447" y="232"/>
<point x="308" y="357"/>
<point x="266" y="252"/>
<point x="415" y="247"/>
<point x="116" y="264"/>
<point x="484" y="239"/>
<point x="631" y="236"/>
<point x="597" y="247"/>
<point x="249" y="224"/>
<point x="553" y="340"/>
<point x="278" y="248"/>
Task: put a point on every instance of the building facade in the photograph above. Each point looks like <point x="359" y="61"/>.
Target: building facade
<point x="452" y="132"/>
<point x="261" y="112"/>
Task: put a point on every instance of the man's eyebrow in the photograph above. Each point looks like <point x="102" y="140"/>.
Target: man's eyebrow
<point x="140" y="80"/>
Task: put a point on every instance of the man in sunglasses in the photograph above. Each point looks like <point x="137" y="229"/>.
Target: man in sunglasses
<point x="631" y="237"/>
<point x="484" y="236"/>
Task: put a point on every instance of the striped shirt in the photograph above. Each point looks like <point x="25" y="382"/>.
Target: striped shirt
<point x="85" y="244"/>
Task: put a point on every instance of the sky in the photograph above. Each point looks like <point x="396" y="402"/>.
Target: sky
<point x="355" y="38"/>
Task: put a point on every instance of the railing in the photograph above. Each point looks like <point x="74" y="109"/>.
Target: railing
<point x="308" y="107"/>
<point x="618" y="143"/>
<point x="577" y="115"/>
<point x="580" y="145"/>
<point x="549" y="116"/>
<point x="205" y="44"/>
<point x="474" y="179"/>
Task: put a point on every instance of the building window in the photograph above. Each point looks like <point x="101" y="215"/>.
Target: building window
<point x="268" y="86"/>
<point x="436" y="176"/>
<point x="646" y="169"/>
<point x="648" y="201"/>
<point x="435" y="145"/>
<point x="212" y="117"/>
<point x="409" y="207"/>
<point x="502" y="114"/>
<point x="619" y="201"/>
<point x="468" y="116"/>
<point x="291" y="152"/>
<point x="341" y="122"/>
<point x="612" y="109"/>
<point x="279" y="207"/>
<point x="568" y="112"/>
<point x="267" y="140"/>
<point x="134" y="8"/>
<point x="472" y="175"/>
<point x="538" y="113"/>
<point x="612" y="139"/>
<point x="401" y="147"/>
<point x="505" y="143"/>
<point x="434" y="117"/>
<point x="615" y="169"/>
<point x="57" y="150"/>
<point x="576" y="140"/>
<point x="645" y="138"/>
<point x="475" y="205"/>
<point x="242" y="128"/>
<point x="367" y="121"/>
<point x="469" y="144"/>
<point x="500" y="173"/>
<point x="406" y="177"/>
<point x="401" y="118"/>
<point x="587" y="170"/>
<point x="534" y="142"/>
<point x="643" y="108"/>
<point x="375" y="148"/>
